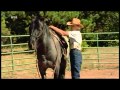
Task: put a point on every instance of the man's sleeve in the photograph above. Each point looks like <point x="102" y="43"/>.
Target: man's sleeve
<point x="69" y="33"/>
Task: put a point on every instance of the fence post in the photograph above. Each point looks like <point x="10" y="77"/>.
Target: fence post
<point x="98" y="51"/>
<point x="12" y="53"/>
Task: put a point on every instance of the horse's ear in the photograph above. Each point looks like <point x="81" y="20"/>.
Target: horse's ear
<point x="48" y="21"/>
<point x="40" y="18"/>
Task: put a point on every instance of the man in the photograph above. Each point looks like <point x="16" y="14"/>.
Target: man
<point x="75" y="38"/>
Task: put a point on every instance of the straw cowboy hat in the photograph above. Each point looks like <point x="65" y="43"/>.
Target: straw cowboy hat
<point x="75" y="21"/>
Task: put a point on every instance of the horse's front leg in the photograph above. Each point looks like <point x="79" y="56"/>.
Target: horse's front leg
<point x="42" y="66"/>
<point x="56" y="72"/>
<point x="42" y="69"/>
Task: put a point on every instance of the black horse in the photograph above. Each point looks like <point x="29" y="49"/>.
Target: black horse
<point x="49" y="48"/>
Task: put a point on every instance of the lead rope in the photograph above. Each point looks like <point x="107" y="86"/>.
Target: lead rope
<point x="37" y="62"/>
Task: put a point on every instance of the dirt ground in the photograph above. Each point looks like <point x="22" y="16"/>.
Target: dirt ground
<point x="85" y="74"/>
<point x="92" y="74"/>
<point x="89" y="71"/>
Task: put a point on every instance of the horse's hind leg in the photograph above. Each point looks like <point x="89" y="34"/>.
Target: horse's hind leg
<point x="56" y="72"/>
<point x="62" y="68"/>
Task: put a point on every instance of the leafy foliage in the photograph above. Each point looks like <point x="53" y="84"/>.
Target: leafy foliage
<point x="93" y="21"/>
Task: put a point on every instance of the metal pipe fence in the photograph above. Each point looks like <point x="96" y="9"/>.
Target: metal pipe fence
<point x="98" y="60"/>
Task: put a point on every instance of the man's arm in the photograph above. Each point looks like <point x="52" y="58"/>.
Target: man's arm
<point x="59" y="31"/>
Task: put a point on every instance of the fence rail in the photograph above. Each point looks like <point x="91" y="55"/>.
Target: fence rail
<point x="98" y="59"/>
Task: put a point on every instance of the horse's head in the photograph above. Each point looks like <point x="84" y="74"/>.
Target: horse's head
<point x="37" y="29"/>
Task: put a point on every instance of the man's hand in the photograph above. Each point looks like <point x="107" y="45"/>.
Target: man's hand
<point x="51" y="26"/>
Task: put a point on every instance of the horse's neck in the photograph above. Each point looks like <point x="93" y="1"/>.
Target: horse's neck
<point x="53" y="33"/>
<point x="46" y="35"/>
<point x="46" y="30"/>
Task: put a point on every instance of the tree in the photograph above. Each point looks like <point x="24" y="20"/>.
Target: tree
<point x="93" y="21"/>
<point x="4" y="30"/>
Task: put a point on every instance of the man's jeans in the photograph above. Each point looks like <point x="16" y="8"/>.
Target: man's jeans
<point x="76" y="61"/>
